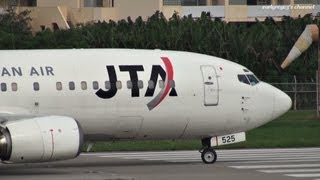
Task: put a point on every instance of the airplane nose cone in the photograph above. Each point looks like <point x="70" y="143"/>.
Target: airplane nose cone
<point x="282" y="103"/>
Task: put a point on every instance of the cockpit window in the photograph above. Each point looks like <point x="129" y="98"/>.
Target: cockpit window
<point x="253" y="80"/>
<point x="250" y="79"/>
<point x="246" y="70"/>
<point x="242" y="78"/>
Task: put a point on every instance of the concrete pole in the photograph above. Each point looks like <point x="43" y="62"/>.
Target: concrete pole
<point x="317" y="89"/>
<point x="318" y="79"/>
<point x="295" y="93"/>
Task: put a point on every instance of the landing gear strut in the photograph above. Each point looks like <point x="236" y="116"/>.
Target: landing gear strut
<point x="208" y="154"/>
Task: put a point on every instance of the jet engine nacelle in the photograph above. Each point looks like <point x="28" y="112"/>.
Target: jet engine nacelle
<point x="40" y="139"/>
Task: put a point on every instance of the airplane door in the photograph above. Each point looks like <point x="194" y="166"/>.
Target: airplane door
<point x="210" y="86"/>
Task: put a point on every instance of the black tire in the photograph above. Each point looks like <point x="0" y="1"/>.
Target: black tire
<point x="209" y="156"/>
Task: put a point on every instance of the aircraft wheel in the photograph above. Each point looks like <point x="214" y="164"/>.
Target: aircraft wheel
<point x="209" y="156"/>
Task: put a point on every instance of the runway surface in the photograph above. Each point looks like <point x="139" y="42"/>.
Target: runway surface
<point x="262" y="164"/>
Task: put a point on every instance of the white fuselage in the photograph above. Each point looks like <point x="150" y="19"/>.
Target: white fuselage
<point x="210" y="100"/>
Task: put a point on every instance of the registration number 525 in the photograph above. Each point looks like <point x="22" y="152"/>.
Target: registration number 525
<point x="228" y="139"/>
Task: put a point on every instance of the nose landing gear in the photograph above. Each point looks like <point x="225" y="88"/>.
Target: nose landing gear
<point x="208" y="154"/>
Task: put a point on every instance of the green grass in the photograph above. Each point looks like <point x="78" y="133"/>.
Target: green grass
<point x="294" y="129"/>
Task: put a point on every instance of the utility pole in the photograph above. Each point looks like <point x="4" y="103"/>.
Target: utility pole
<point x="318" y="81"/>
<point x="318" y="74"/>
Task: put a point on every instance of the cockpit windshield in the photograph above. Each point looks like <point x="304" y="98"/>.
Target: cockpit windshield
<point x="253" y="80"/>
<point x="242" y="78"/>
<point x="250" y="79"/>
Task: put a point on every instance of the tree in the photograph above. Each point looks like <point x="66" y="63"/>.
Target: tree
<point x="15" y="30"/>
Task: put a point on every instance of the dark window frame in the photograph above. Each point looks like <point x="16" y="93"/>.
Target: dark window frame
<point x="151" y="84"/>
<point x="107" y="84"/>
<point x="84" y="85"/>
<point x="59" y="86"/>
<point x="119" y="85"/>
<point x="140" y="84"/>
<point x="95" y="85"/>
<point x="243" y="79"/>
<point x="14" y="86"/>
<point x="252" y="79"/>
<point x="72" y="86"/>
<point x="36" y="86"/>
<point x="129" y="84"/>
<point x="4" y="87"/>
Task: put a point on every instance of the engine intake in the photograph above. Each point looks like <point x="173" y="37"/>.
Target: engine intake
<point x="40" y="139"/>
<point x="5" y="144"/>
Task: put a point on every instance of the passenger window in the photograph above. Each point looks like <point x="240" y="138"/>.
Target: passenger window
<point x="172" y="84"/>
<point x="84" y="85"/>
<point x="95" y="85"/>
<point x="14" y="86"/>
<point x="36" y="86"/>
<point x="3" y="87"/>
<point x="161" y="84"/>
<point x="151" y="84"/>
<point x="71" y="86"/>
<point x="59" y="86"/>
<point x="140" y="84"/>
<point x="242" y="78"/>
<point x="119" y="85"/>
<point x="108" y="85"/>
<point x="129" y="84"/>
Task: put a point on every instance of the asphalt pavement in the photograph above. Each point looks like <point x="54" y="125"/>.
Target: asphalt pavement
<point x="261" y="164"/>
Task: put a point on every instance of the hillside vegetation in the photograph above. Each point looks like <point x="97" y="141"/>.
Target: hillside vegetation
<point x="260" y="46"/>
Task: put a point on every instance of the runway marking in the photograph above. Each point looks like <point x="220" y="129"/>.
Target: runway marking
<point x="277" y="161"/>
<point x="174" y="158"/>
<point x="277" y="166"/>
<point x="298" y="170"/>
<point x="302" y="151"/>
<point x="289" y="170"/>
<point x="236" y="156"/>
<point x="273" y="163"/>
<point x="222" y="155"/>
<point x="303" y="175"/>
<point x="296" y="162"/>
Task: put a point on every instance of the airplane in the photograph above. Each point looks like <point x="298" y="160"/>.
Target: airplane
<point x="54" y="100"/>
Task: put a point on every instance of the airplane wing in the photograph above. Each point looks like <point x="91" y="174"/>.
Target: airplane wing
<point x="15" y="117"/>
<point x="14" y="113"/>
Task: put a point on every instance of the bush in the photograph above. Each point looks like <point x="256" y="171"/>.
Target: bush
<point x="260" y="46"/>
